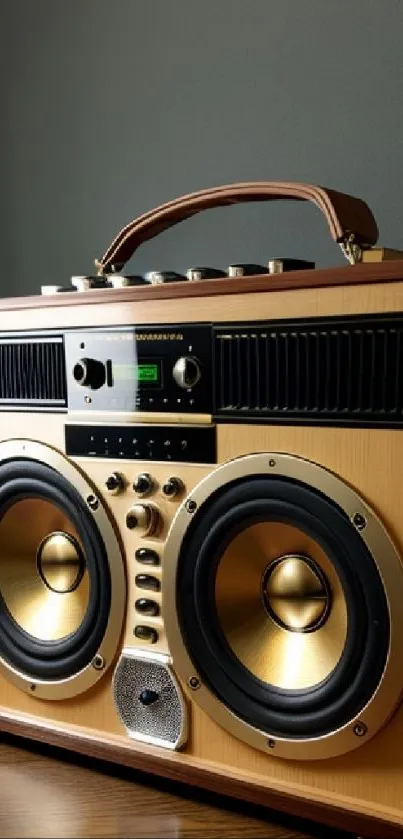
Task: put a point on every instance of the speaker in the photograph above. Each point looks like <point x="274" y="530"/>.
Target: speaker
<point x="201" y="531"/>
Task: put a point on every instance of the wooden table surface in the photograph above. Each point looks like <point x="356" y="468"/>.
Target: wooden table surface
<point x="49" y="793"/>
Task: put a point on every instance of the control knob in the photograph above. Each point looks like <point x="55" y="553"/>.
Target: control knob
<point x="143" y="484"/>
<point x="89" y="372"/>
<point x="115" y="483"/>
<point x="172" y="487"/>
<point x="145" y="517"/>
<point x="186" y="371"/>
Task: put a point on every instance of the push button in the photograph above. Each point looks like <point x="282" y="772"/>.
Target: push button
<point x="146" y="633"/>
<point x="147" y="556"/>
<point x="147" y="607"/>
<point x="148" y="582"/>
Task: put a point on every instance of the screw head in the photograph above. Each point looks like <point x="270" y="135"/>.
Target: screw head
<point x="32" y="687"/>
<point x="272" y="462"/>
<point x="191" y="506"/>
<point x="360" y="729"/>
<point x="359" y="521"/>
<point x="271" y="743"/>
<point x="92" y="502"/>
<point x="98" y="662"/>
<point x="194" y="682"/>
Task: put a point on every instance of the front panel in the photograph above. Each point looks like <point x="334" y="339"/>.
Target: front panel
<point x="145" y="465"/>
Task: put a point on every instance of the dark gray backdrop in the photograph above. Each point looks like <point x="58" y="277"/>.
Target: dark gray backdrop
<point x="113" y="106"/>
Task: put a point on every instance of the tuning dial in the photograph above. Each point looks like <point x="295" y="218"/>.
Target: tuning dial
<point x="115" y="483"/>
<point x="186" y="372"/>
<point x="89" y="372"/>
<point x="145" y="517"/>
<point x="143" y="484"/>
<point x="172" y="487"/>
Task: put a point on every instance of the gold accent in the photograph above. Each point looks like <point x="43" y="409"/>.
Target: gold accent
<point x="130" y="417"/>
<point x="381" y="255"/>
<point x="296" y="593"/>
<point x="60" y="562"/>
<point x="45" y="614"/>
<point x="388" y="694"/>
<point x="290" y="660"/>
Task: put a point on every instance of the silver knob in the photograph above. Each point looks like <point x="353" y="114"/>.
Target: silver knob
<point x="144" y="516"/>
<point x="186" y="372"/>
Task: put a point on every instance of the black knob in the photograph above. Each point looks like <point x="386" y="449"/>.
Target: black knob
<point x="148" y="697"/>
<point x="147" y="556"/>
<point x="115" y="483"/>
<point x="172" y="487"/>
<point x="246" y="269"/>
<point x="89" y="372"/>
<point x="146" y="633"/>
<point x="148" y="582"/>
<point x="143" y="484"/>
<point x="147" y="607"/>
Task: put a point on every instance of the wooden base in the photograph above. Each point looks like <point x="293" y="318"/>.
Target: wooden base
<point x="153" y="762"/>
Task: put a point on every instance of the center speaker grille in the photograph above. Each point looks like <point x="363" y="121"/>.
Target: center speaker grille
<point x="275" y="607"/>
<point x="149" y="700"/>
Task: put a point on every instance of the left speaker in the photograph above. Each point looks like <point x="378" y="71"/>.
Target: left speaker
<point x="62" y="581"/>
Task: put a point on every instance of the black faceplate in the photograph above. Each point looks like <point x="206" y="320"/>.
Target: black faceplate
<point x="176" y="443"/>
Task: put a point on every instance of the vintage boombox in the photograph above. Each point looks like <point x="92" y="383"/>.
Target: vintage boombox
<point x="201" y="519"/>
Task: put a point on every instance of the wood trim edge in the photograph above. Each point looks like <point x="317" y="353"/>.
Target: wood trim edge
<point x="390" y="271"/>
<point x="331" y="815"/>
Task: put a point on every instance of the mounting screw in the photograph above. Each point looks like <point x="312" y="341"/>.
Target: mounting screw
<point x="360" y="729"/>
<point x="191" y="506"/>
<point x="98" y="662"/>
<point x="271" y="743"/>
<point x="194" y="682"/>
<point x="92" y="502"/>
<point x="272" y="462"/>
<point x="359" y="521"/>
<point x="32" y="687"/>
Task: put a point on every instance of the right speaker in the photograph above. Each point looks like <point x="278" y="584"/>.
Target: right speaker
<point x="282" y="605"/>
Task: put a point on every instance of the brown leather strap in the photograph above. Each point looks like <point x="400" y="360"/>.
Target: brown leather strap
<point x="344" y="214"/>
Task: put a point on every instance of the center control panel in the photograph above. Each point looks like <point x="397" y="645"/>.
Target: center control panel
<point x="147" y="369"/>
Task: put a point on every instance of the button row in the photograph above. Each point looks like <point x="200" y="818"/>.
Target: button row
<point x="144" y="484"/>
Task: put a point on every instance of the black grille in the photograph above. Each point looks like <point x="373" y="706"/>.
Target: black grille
<point x="32" y="372"/>
<point x="322" y="371"/>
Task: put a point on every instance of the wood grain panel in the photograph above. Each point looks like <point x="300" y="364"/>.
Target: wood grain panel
<point x="294" y="302"/>
<point x="367" y="782"/>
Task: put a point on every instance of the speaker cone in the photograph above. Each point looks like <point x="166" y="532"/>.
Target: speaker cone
<point x="57" y="583"/>
<point x="281" y="609"/>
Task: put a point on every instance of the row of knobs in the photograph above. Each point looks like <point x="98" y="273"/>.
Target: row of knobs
<point x="90" y="372"/>
<point x="116" y="280"/>
<point x="144" y="516"/>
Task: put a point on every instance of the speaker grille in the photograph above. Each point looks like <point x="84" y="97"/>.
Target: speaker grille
<point x="161" y="723"/>
<point x="32" y="372"/>
<point x="339" y="370"/>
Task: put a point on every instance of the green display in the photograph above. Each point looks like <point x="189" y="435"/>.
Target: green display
<point x="148" y="373"/>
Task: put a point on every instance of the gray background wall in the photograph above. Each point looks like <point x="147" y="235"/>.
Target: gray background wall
<point x="113" y="106"/>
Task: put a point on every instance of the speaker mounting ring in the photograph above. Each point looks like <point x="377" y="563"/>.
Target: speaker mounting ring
<point x="84" y="678"/>
<point x="388" y="693"/>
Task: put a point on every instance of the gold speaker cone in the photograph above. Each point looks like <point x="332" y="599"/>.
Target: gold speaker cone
<point x="296" y="593"/>
<point x="33" y="532"/>
<point x="280" y="657"/>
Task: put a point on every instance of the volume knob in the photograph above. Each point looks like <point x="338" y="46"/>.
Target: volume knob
<point x="89" y="372"/>
<point x="186" y="372"/>
<point x="143" y="516"/>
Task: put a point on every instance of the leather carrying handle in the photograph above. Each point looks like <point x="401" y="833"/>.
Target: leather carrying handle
<point x="349" y="219"/>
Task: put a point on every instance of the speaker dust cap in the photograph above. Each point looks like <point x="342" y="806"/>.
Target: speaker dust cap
<point x="281" y="595"/>
<point x="62" y="583"/>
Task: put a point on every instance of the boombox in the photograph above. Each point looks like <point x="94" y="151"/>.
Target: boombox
<point x="201" y="518"/>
